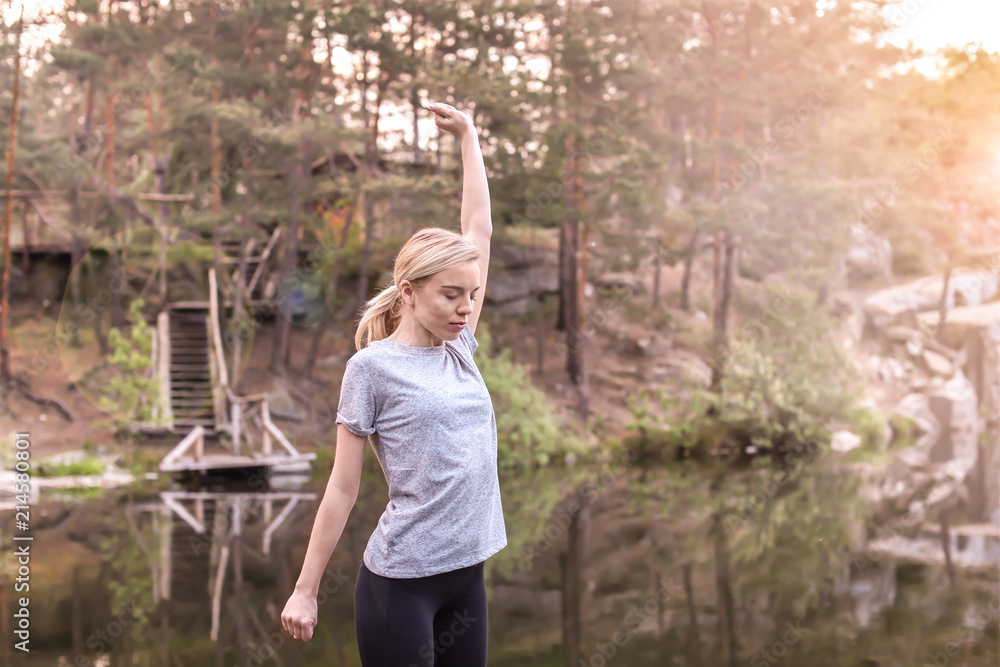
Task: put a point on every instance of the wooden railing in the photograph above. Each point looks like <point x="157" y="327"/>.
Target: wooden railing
<point x="245" y="407"/>
<point x="162" y="356"/>
<point x="216" y="354"/>
<point x="193" y="440"/>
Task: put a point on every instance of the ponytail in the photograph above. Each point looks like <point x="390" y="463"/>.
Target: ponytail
<point x="380" y="318"/>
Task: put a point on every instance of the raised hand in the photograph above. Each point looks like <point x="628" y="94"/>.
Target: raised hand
<point x="450" y="119"/>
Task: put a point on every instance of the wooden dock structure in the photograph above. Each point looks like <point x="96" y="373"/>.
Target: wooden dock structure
<point x="189" y="455"/>
<point x="196" y="399"/>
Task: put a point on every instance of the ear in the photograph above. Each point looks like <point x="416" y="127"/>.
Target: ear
<point x="406" y="292"/>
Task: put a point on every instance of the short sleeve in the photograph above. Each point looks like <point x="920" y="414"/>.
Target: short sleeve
<point x="470" y="340"/>
<point x="358" y="405"/>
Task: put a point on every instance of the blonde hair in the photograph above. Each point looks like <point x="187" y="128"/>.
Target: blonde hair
<point x="429" y="250"/>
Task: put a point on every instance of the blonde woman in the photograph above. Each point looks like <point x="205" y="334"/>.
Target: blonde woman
<point x="420" y="596"/>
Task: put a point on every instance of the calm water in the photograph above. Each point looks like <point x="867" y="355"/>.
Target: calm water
<point x="685" y="568"/>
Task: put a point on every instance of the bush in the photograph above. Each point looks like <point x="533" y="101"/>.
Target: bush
<point x="870" y="425"/>
<point x="904" y="431"/>
<point x="528" y="429"/>
<point x="86" y="466"/>
<point x="783" y="382"/>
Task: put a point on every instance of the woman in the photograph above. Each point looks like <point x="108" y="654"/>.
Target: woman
<point x="420" y="596"/>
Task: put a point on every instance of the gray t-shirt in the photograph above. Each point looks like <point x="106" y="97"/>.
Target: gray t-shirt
<point x="434" y="432"/>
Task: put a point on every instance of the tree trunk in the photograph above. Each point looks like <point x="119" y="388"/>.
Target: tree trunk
<point x="943" y="303"/>
<point x="657" y="266"/>
<point x="97" y="310"/>
<point x="720" y="316"/>
<point x="160" y="164"/>
<point x="564" y="278"/>
<point x="573" y="567"/>
<point x="727" y="643"/>
<point x="26" y="253"/>
<point x="418" y="153"/>
<point x="5" y="373"/>
<point x="117" y="312"/>
<point x="686" y="280"/>
<point x="946" y="546"/>
<point x="76" y="255"/>
<point x="693" y="638"/>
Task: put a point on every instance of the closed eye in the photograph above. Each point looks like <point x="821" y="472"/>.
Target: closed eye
<point x="452" y="298"/>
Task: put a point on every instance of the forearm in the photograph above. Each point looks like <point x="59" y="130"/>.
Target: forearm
<point x="476" y="216"/>
<point x="329" y="526"/>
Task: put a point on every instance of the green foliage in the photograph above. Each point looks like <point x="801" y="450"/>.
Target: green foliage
<point x="870" y="424"/>
<point x="806" y="526"/>
<point x="85" y="466"/>
<point x="132" y="584"/>
<point x="904" y="431"/>
<point x="132" y="392"/>
<point x="784" y="379"/>
<point x="785" y="361"/>
<point x="527" y="424"/>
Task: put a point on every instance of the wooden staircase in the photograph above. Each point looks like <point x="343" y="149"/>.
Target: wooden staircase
<point x="260" y="282"/>
<point x="197" y="399"/>
<point x="191" y="396"/>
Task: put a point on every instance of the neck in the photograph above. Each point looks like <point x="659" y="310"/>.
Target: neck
<point x="412" y="334"/>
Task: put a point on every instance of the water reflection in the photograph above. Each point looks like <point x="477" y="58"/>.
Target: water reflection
<point x="637" y="566"/>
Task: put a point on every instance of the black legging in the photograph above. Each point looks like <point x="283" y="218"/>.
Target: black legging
<point x="435" y="621"/>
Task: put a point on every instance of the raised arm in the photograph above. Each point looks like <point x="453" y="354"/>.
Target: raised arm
<point x="477" y="221"/>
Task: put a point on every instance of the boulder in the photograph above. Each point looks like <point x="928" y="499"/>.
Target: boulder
<point x="844" y="441"/>
<point x="282" y="406"/>
<point x="651" y="346"/>
<point x="937" y="364"/>
<point x="513" y="256"/>
<point x="515" y="307"/>
<point x="901" y="304"/>
<point x="955" y="406"/>
<point x="962" y="319"/>
<point x="522" y="284"/>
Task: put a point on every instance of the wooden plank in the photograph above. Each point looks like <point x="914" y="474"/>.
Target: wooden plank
<point x="215" y="495"/>
<point x="264" y="256"/>
<point x="969" y="529"/>
<point x="229" y="461"/>
<point x="163" y="364"/>
<point x="217" y="353"/>
<point x="192" y="438"/>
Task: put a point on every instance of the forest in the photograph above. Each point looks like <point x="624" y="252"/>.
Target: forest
<point x="765" y="227"/>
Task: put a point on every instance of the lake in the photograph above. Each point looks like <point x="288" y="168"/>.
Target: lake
<point x="659" y="565"/>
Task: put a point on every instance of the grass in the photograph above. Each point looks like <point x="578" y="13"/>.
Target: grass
<point x="87" y="466"/>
